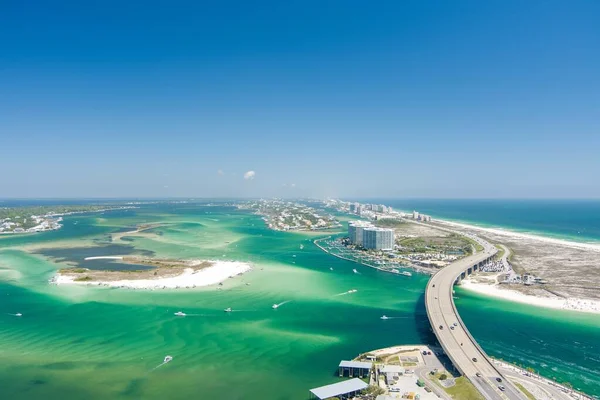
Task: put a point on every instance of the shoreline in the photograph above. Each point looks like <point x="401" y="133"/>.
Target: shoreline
<point x="556" y="303"/>
<point x="60" y="215"/>
<point x="576" y="304"/>
<point x="520" y="235"/>
<point x="218" y="272"/>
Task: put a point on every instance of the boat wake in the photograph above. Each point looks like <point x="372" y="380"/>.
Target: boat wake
<point x="182" y="314"/>
<point x="345" y="293"/>
<point x="275" y="306"/>
<point x="167" y="360"/>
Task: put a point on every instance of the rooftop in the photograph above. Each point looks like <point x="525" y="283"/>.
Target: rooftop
<point x="356" y="364"/>
<point x="340" y="388"/>
<point x="391" y="368"/>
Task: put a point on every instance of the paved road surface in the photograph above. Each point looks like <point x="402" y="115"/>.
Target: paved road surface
<point x="458" y="344"/>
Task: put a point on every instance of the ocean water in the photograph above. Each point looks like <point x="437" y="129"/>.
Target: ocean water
<point x="106" y="343"/>
<point x="576" y="220"/>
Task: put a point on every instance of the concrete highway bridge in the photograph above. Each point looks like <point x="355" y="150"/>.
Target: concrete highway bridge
<point x="454" y="337"/>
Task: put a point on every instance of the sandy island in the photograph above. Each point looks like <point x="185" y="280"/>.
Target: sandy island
<point x="164" y="274"/>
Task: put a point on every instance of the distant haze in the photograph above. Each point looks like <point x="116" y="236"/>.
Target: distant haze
<point x="473" y="99"/>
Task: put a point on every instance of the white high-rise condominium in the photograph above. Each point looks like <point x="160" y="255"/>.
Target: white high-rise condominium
<point x="378" y="238"/>
<point x="355" y="231"/>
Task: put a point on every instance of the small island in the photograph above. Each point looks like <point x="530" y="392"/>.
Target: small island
<point x="155" y="273"/>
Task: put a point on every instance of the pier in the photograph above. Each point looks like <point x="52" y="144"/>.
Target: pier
<point x="463" y="350"/>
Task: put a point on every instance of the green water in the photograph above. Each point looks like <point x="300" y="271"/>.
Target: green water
<point x="103" y="343"/>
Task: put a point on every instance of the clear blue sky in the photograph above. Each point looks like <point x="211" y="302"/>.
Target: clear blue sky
<point x="318" y="98"/>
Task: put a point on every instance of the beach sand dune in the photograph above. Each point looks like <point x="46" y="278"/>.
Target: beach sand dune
<point x="571" y="270"/>
<point x="216" y="272"/>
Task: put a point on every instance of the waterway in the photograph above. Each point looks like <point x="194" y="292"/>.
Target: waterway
<point x="104" y="343"/>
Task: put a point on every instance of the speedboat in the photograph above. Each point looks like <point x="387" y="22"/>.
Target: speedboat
<point x="18" y="314"/>
<point x="331" y="268"/>
<point x="406" y="273"/>
<point x="167" y="359"/>
<point x="355" y="271"/>
<point x="301" y="246"/>
<point x="352" y="291"/>
<point x="274" y="306"/>
<point x="385" y="317"/>
<point x="294" y="256"/>
<point x="228" y="309"/>
<point x="180" y="314"/>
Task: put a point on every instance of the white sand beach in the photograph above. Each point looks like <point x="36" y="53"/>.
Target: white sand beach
<point x="520" y="235"/>
<point x="216" y="273"/>
<point x="572" y="304"/>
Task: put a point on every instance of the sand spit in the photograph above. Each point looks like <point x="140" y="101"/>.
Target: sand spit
<point x="560" y="303"/>
<point x="519" y="235"/>
<point x="571" y="270"/>
<point x="197" y="273"/>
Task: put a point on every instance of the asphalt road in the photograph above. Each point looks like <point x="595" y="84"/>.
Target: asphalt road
<point x="458" y="344"/>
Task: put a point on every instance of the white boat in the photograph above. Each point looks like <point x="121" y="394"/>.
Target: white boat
<point x="228" y="309"/>
<point x="294" y="256"/>
<point x="355" y="271"/>
<point x="406" y="273"/>
<point x="180" y="314"/>
<point x="18" y="314"/>
<point x="331" y="268"/>
<point x="167" y="359"/>
<point x="274" y="306"/>
<point x="301" y="247"/>
<point x="385" y="317"/>
<point x="395" y="271"/>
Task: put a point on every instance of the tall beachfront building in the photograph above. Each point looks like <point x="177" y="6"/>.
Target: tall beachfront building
<point x="378" y="238"/>
<point x="355" y="231"/>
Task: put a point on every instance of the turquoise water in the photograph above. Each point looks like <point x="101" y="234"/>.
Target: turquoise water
<point x="558" y="344"/>
<point x="103" y="343"/>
